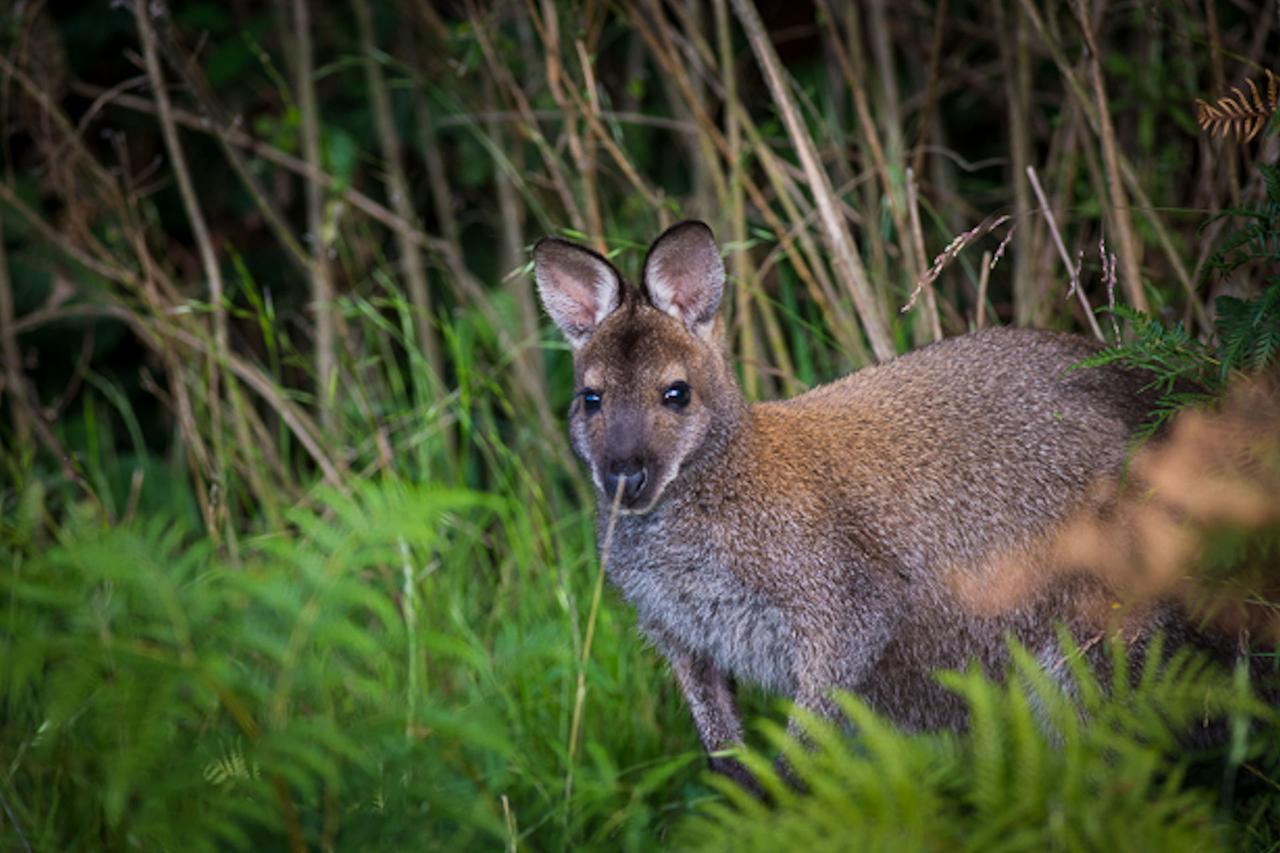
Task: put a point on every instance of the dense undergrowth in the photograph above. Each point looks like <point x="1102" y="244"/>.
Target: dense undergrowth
<point x="293" y="553"/>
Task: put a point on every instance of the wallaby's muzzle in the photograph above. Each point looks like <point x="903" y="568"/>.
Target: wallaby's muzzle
<point x="626" y="461"/>
<point x="632" y="474"/>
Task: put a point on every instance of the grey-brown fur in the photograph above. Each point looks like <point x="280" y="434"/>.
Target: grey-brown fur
<point x="814" y="543"/>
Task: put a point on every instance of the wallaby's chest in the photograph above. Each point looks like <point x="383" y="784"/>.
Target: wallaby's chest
<point x="687" y="590"/>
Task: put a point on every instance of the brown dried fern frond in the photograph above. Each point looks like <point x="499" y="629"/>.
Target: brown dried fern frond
<point x="1243" y="115"/>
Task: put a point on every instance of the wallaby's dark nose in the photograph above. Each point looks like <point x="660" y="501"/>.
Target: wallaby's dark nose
<point x="631" y="473"/>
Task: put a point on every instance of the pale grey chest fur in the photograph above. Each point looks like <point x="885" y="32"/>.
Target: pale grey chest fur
<point x="685" y="592"/>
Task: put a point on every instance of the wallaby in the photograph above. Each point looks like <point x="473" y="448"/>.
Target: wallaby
<point x="811" y="543"/>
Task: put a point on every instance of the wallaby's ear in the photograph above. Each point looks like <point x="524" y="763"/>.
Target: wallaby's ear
<point x="577" y="287"/>
<point x="684" y="276"/>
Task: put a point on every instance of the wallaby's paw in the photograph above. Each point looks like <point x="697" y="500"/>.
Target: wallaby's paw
<point x="734" y="769"/>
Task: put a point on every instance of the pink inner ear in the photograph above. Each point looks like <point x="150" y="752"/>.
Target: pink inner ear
<point x="583" y="299"/>
<point x="578" y="288"/>
<point x="572" y="303"/>
<point x="674" y="289"/>
<point x="684" y="275"/>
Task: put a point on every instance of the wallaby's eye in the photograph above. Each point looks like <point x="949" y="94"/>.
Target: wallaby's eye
<point x="677" y="396"/>
<point x="590" y="400"/>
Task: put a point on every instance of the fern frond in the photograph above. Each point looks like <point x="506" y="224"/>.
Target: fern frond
<point x="1049" y="760"/>
<point x="1270" y="180"/>
<point x="1169" y="354"/>
<point x="135" y="657"/>
<point x="1249" y="331"/>
<point x="1239" y="114"/>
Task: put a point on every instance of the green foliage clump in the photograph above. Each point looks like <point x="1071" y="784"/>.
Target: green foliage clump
<point x="356" y="680"/>
<point x="155" y="696"/>
<point x="1187" y="371"/>
<point x="1248" y="332"/>
<point x="199" y="651"/>
<point x="349" y="684"/>
<point x="1050" y="761"/>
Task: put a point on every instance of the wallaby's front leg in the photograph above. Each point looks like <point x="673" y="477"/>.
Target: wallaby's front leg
<point x="833" y="661"/>
<point x="709" y="695"/>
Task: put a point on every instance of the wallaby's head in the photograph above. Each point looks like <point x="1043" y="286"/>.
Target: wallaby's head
<point x="653" y="386"/>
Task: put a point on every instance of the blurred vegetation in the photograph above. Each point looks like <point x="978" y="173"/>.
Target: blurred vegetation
<point x="295" y="553"/>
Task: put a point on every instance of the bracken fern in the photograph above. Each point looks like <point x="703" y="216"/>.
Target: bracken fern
<point x="1048" y="762"/>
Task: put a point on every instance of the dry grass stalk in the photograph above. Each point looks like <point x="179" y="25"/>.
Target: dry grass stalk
<point x="511" y="218"/>
<point x="581" y="148"/>
<point x="208" y="257"/>
<point x="1062" y="253"/>
<point x="375" y="210"/>
<point x="926" y="281"/>
<point x="325" y="358"/>
<point x="710" y="191"/>
<point x="741" y="259"/>
<point x="869" y="136"/>
<point x="807" y="262"/>
<point x="160" y="338"/>
<point x="1129" y="247"/>
<point x="1141" y="201"/>
<point x="1108" y="262"/>
<point x="589" y="110"/>
<point x="529" y="126"/>
<point x="931" y="88"/>
<point x="198" y="85"/>
<point x="846" y="254"/>
<point x="1029" y="296"/>
<point x="1239" y="114"/>
<point x="890" y="108"/>
<point x="13" y="385"/>
<point x="954" y="248"/>
<point x="984" y="277"/>
<point x="411" y="263"/>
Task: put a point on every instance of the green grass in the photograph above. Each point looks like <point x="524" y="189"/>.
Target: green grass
<point x="392" y="670"/>
<point x="244" y="606"/>
<point x="396" y="670"/>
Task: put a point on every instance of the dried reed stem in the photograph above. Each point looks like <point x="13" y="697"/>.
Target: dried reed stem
<point x="580" y="696"/>
<point x="1028" y="296"/>
<point x="917" y="234"/>
<point x="67" y="131"/>
<point x="841" y="241"/>
<point x="375" y="210"/>
<point x="806" y="265"/>
<point x="204" y="244"/>
<point x="508" y="83"/>
<point x="741" y="260"/>
<point x="1141" y="201"/>
<point x="321" y="274"/>
<point x="1062" y="252"/>
<point x="1120" y="215"/>
<point x="870" y="137"/>
<point x="199" y="87"/>
<point x="931" y="87"/>
<point x="399" y="195"/>
<point x="984" y="276"/>
<point x="14" y="381"/>
<point x="155" y="336"/>
<point x="510" y="222"/>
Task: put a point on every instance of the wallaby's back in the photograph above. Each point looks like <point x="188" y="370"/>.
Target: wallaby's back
<point x="962" y="446"/>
